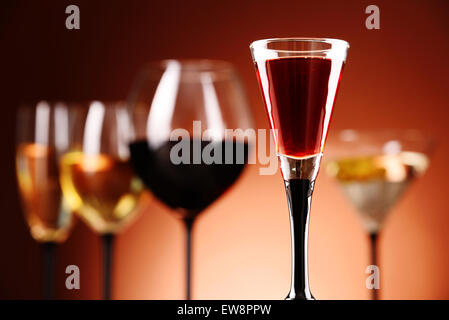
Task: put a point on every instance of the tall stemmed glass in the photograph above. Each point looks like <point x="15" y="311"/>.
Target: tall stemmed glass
<point x="374" y="168"/>
<point x="96" y="178"/>
<point x="299" y="79"/>
<point x="181" y="149"/>
<point x="42" y="136"/>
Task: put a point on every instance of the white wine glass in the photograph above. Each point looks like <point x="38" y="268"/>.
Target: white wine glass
<point x="43" y="132"/>
<point x="96" y="177"/>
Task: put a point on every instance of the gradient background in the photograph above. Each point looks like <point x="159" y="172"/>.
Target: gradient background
<point x="395" y="77"/>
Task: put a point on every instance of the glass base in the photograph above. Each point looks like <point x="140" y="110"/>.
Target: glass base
<point x="302" y="296"/>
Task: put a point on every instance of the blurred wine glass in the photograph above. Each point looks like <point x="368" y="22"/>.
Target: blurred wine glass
<point x="42" y="136"/>
<point x="374" y="168"/>
<point x="184" y="146"/>
<point x="96" y="178"/>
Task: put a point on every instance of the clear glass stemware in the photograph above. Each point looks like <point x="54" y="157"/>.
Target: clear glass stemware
<point x="97" y="179"/>
<point x="42" y="137"/>
<point x="374" y="168"/>
<point x="299" y="78"/>
<point x="185" y="147"/>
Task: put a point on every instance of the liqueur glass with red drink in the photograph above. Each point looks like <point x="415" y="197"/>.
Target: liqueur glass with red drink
<point x="299" y="79"/>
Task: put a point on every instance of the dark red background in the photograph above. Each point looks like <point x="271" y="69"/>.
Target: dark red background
<point x="395" y="77"/>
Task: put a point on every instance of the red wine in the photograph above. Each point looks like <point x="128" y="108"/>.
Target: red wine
<point x="188" y="187"/>
<point x="297" y="102"/>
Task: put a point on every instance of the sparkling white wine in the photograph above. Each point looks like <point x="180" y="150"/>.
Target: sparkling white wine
<point x="48" y="217"/>
<point x="375" y="183"/>
<point x="101" y="189"/>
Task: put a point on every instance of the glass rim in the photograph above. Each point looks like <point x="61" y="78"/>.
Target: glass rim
<point x="193" y="65"/>
<point x="192" y="70"/>
<point x="261" y="44"/>
<point x="350" y="136"/>
<point x="72" y="104"/>
<point x="382" y="132"/>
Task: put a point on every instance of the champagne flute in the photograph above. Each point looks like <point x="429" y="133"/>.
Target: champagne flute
<point x="183" y="112"/>
<point x="299" y="78"/>
<point x="42" y="136"/>
<point x="97" y="181"/>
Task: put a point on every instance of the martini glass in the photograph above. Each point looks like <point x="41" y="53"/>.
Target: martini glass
<point x="374" y="168"/>
<point x="299" y="79"/>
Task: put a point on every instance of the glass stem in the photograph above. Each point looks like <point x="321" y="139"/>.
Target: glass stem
<point x="108" y="250"/>
<point x="189" y="226"/>
<point x="299" y="196"/>
<point x="48" y="255"/>
<point x="373" y="242"/>
<point x="299" y="178"/>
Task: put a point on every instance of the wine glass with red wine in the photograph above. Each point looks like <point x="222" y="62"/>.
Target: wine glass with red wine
<point x="185" y="147"/>
<point x="42" y="137"/>
<point x="299" y="79"/>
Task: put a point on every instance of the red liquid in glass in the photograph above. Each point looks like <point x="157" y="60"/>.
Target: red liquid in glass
<point x="298" y="90"/>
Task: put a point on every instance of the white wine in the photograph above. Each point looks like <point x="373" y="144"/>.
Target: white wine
<point x="47" y="216"/>
<point x="375" y="183"/>
<point x="101" y="189"/>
